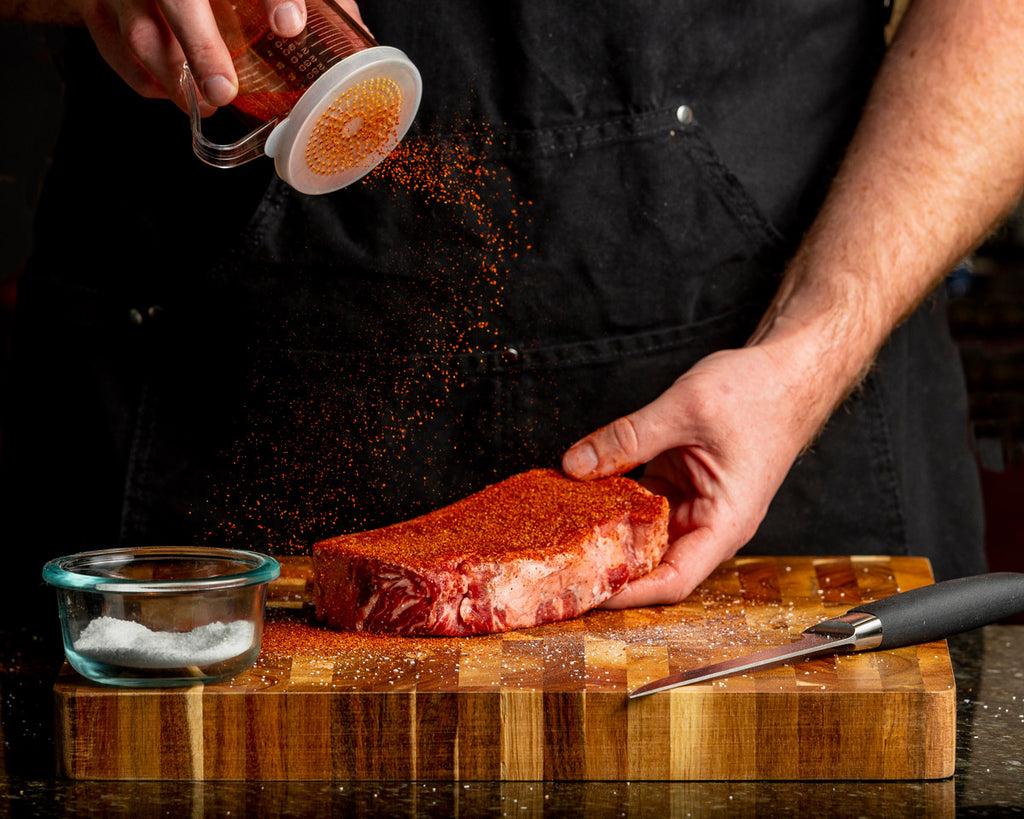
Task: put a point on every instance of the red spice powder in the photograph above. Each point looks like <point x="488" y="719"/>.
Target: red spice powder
<point x="264" y="106"/>
<point x="290" y="635"/>
<point x="528" y="515"/>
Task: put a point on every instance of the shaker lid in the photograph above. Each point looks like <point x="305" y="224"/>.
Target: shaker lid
<point x="347" y="122"/>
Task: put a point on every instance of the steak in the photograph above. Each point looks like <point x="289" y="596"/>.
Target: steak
<point x="536" y="548"/>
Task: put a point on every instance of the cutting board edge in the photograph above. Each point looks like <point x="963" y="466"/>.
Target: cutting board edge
<point x="577" y="738"/>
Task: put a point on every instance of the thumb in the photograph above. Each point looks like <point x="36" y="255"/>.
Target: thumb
<point x="622" y="445"/>
<point x="287" y="17"/>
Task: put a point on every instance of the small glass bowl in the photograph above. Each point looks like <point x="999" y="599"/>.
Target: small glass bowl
<point x="161" y="616"/>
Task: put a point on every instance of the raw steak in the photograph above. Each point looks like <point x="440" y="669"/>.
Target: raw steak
<point x="535" y="548"/>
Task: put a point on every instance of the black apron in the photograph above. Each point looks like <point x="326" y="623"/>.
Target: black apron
<point x="587" y="204"/>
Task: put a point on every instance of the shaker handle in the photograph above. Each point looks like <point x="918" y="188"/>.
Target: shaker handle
<point x="231" y="155"/>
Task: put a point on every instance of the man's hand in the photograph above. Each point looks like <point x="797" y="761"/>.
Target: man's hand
<point x="147" y="41"/>
<point x="717" y="444"/>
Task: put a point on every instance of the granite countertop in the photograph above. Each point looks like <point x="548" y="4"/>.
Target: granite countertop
<point x="989" y="778"/>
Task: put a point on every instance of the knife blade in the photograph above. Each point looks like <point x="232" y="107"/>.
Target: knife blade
<point x="917" y="616"/>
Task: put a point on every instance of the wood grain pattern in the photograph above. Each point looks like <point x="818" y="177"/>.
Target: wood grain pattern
<point x="548" y="702"/>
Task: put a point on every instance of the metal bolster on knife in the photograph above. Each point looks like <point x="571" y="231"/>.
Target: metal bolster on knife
<point x="857" y="629"/>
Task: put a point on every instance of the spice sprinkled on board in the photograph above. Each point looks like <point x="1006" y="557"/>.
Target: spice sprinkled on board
<point x="593" y="653"/>
<point x="729" y="615"/>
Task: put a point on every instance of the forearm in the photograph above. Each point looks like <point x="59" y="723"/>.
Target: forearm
<point x="58" y="12"/>
<point x="937" y="161"/>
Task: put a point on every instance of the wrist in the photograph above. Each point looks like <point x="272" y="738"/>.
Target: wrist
<point x="821" y="335"/>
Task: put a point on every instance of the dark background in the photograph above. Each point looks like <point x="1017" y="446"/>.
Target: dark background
<point x="986" y="309"/>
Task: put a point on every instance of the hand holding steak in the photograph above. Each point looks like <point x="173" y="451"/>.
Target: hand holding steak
<point x="718" y="444"/>
<point x="535" y="548"/>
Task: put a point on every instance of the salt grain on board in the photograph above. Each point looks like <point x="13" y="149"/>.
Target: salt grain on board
<point x="125" y="643"/>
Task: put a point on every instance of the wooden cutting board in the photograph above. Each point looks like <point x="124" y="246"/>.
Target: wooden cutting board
<point x="550" y="702"/>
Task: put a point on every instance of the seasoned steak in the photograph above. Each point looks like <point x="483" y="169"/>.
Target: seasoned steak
<point x="535" y="548"/>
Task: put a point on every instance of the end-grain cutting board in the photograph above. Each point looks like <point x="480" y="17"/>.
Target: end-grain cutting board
<point x="549" y="702"/>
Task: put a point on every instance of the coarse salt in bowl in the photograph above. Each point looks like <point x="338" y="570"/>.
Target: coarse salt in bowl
<point x="161" y="616"/>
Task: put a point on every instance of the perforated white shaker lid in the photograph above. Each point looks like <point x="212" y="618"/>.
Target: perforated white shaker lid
<point x="347" y="122"/>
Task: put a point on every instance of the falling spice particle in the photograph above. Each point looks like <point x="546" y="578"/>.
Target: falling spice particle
<point x="329" y="424"/>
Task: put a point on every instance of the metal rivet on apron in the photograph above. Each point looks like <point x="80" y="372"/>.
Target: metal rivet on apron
<point x="138" y="317"/>
<point x="684" y="114"/>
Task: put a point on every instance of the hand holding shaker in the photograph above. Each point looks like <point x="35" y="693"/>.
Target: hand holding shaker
<point x="329" y="104"/>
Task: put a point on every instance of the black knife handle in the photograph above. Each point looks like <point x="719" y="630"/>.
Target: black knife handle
<point x="950" y="607"/>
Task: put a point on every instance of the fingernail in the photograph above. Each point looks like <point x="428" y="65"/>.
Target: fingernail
<point x="580" y="460"/>
<point x="218" y="90"/>
<point x="288" y="19"/>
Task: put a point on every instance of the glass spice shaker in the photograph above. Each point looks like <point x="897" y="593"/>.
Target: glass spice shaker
<point x="328" y="105"/>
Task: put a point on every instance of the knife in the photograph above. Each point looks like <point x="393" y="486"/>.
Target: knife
<point x="916" y="616"/>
